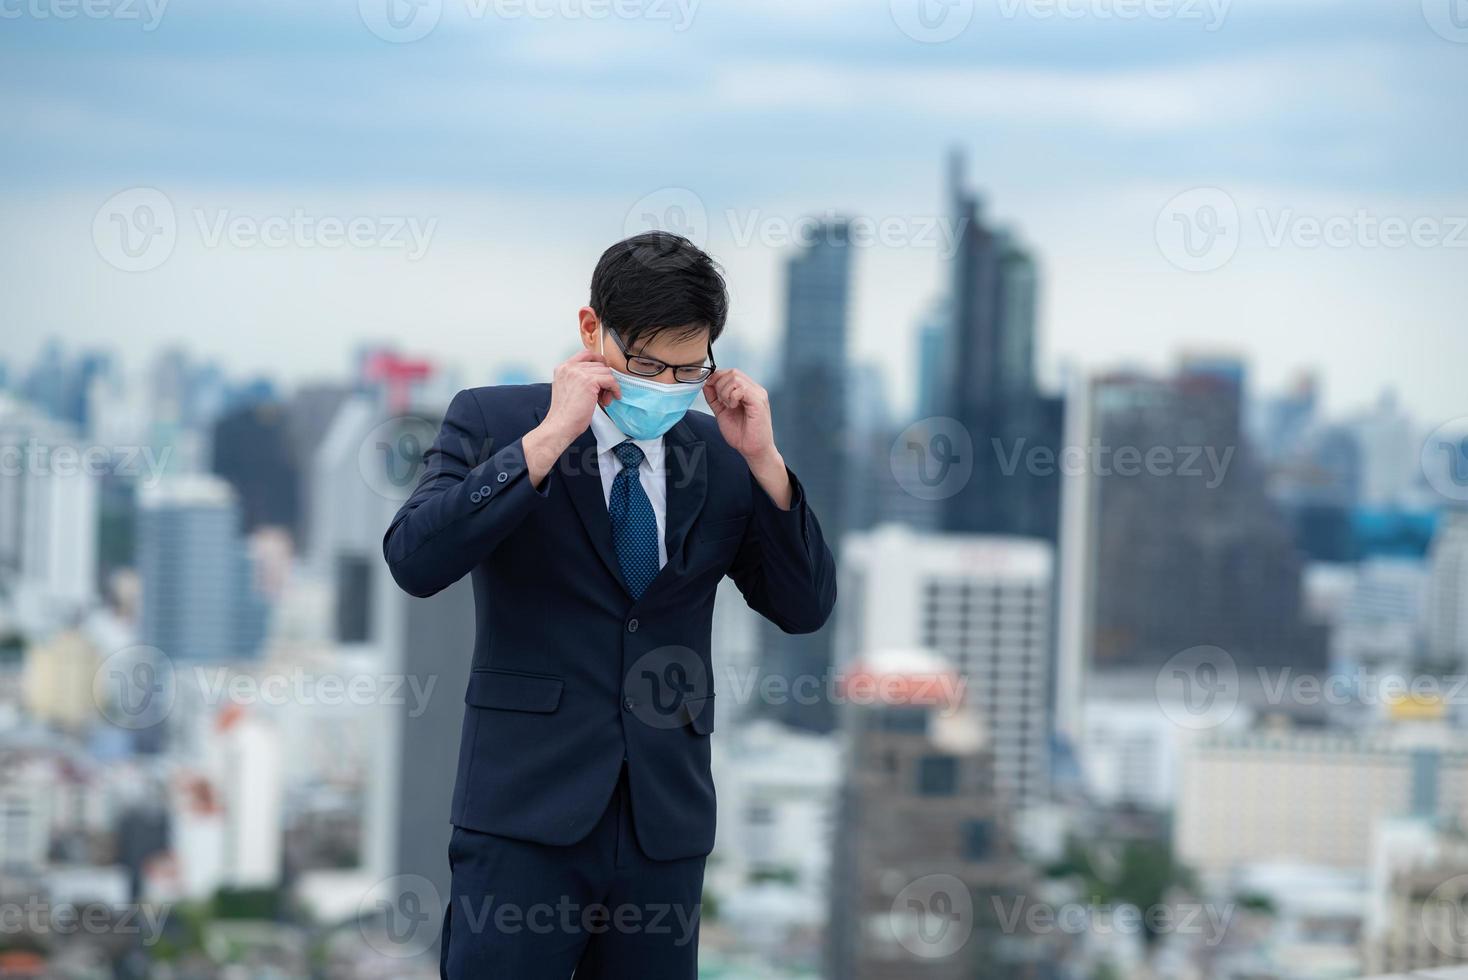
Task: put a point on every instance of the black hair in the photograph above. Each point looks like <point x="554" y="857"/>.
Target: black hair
<point x="656" y="282"/>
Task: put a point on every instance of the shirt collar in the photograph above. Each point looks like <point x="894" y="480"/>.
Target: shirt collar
<point x="608" y="437"/>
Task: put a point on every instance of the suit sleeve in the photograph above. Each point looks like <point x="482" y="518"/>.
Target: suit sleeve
<point x="462" y="507"/>
<point x="784" y="568"/>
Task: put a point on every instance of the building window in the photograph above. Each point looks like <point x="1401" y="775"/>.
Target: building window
<point x="978" y="839"/>
<point x="938" y="775"/>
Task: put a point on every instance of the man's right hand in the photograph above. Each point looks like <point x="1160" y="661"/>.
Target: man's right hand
<point x="580" y="385"/>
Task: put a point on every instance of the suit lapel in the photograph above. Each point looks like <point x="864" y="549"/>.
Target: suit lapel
<point x="577" y="469"/>
<point x="685" y="464"/>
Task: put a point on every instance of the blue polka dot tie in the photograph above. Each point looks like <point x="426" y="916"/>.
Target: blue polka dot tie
<point x="634" y="528"/>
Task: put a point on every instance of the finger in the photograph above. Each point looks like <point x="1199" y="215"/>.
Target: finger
<point x="732" y="392"/>
<point x="714" y="401"/>
<point x="583" y="355"/>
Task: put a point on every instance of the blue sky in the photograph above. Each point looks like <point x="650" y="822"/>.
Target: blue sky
<point x="522" y="144"/>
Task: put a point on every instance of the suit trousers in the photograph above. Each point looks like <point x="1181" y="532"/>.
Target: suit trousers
<point x="598" y="908"/>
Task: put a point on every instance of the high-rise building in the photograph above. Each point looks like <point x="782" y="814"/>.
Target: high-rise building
<point x="199" y="597"/>
<point x="1447" y="592"/>
<point x="924" y="851"/>
<point x="48" y="516"/>
<point x="1186" y="547"/>
<point x="983" y="603"/>
<point x="428" y="642"/>
<point x="990" y="382"/>
<point x="252" y="450"/>
<point x="811" y="428"/>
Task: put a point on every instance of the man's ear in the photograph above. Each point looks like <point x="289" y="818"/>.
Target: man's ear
<point x="589" y="328"/>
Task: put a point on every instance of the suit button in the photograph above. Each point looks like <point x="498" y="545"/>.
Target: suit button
<point x="485" y="490"/>
<point x="632" y="626"/>
<point x="503" y="477"/>
<point x="474" y="497"/>
<point x="628" y="704"/>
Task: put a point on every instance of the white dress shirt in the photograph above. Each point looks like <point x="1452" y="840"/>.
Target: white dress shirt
<point x="650" y="472"/>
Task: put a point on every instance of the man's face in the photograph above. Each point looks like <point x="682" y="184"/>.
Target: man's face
<point x="674" y="348"/>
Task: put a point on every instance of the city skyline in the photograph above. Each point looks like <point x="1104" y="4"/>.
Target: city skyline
<point x="1303" y="115"/>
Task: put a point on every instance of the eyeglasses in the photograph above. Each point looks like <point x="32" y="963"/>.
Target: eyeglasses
<point x="650" y="367"/>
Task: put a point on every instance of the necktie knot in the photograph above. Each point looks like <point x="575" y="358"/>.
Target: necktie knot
<point x="629" y="454"/>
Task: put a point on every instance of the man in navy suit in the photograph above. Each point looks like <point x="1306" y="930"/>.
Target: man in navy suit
<point x="596" y="517"/>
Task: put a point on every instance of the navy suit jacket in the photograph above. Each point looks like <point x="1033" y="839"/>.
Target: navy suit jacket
<point x="571" y="675"/>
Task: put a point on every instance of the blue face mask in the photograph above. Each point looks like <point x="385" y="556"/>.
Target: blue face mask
<point x="647" y="409"/>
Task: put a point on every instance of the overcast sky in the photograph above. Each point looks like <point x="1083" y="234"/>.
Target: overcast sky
<point x="1174" y="165"/>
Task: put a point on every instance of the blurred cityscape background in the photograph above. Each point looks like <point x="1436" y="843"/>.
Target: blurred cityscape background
<point x="1118" y="346"/>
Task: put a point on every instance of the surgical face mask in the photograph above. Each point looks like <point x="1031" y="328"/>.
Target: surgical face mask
<point x="647" y="408"/>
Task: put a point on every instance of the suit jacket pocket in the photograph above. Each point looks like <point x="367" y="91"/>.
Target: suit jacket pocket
<point x="513" y="690"/>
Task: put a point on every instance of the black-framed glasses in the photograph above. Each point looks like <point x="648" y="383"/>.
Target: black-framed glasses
<point x="650" y="367"/>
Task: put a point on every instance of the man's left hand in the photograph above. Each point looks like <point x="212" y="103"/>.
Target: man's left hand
<point x="742" y="409"/>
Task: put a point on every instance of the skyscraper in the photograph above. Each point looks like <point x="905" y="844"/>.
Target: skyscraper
<point x="991" y="388"/>
<point x="1447" y="597"/>
<point x="811" y="427"/>
<point x="199" y="598"/>
<point x="1188" y="549"/>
